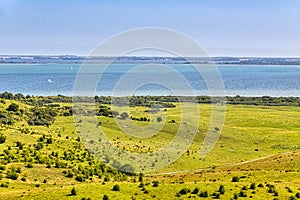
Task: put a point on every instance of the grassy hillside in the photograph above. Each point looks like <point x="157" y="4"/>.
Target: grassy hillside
<point x="43" y="157"/>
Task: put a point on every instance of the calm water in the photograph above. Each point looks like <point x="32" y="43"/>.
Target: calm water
<point x="246" y="80"/>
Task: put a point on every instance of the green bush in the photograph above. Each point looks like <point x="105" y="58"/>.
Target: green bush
<point x="195" y="191"/>
<point x="242" y="194"/>
<point x="260" y="185"/>
<point x="216" y="195"/>
<point x="235" y="179"/>
<point x="244" y="187"/>
<point x="20" y="145"/>
<point x="252" y="186"/>
<point x="39" y="146"/>
<point x="73" y="192"/>
<point x="105" y="197"/>
<point x="155" y="183"/>
<point x="79" y="178"/>
<point x="13" y="107"/>
<point x="29" y="165"/>
<point x="2" y="138"/>
<point x="184" y="191"/>
<point x="203" y="194"/>
<point x="41" y="116"/>
<point x="6" y="118"/>
<point x="12" y="175"/>
<point x="221" y="189"/>
<point x="116" y="188"/>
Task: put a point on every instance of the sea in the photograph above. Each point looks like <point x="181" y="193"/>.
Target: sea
<point x="175" y="79"/>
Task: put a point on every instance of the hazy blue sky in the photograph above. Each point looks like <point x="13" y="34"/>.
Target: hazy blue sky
<point x="222" y="27"/>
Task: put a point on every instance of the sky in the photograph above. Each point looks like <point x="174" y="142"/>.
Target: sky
<point x="222" y="27"/>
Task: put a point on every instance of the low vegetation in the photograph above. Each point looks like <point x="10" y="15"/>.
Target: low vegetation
<point x="42" y="155"/>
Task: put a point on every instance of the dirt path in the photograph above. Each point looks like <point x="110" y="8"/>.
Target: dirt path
<point x="219" y="167"/>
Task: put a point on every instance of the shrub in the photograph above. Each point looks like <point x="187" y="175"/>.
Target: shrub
<point x="20" y="145"/>
<point x="289" y="189"/>
<point x="49" y="140"/>
<point x="29" y="165"/>
<point x="159" y="119"/>
<point x="41" y="116"/>
<point x="18" y="170"/>
<point x="141" y="177"/>
<point x="271" y="189"/>
<point x="260" y="185"/>
<point x="235" y="196"/>
<point x="184" y="191"/>
<point x="12" y="175"/>
<point x="242" y="194"/>
<point x="195" y="191"/>
<point x="105" y="197"/>
<point x="79" y="178"/>
<point x="6" y="118"/>
<point x="235" y="179"/>
<point x="127" y="169"/>
<point x="155" y="183"/>
<point x="2" y="138"/>
<point x="13" y="107"/>
<point x="203" y="194"/>
<point x="124" y="115"/>
<point x="216" y="195"/>
<point x="244" y="187"/>
<point x="73" y="192"/>
<point x="252" y="186"/>
<point x="4" y="185"/>
<point x="39" y="146"/>
<point x="141" y="185"/>
<point x="116" y="188"/>
<point x="222" y="189"/>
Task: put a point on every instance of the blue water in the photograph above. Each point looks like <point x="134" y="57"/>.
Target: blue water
<point x="245" y="80"/>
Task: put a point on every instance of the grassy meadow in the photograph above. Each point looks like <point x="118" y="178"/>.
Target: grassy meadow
<point x="42" y="156"/>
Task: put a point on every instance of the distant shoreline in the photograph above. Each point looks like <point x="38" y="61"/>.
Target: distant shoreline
<point x="233" y="100"/>
<point x="66" y="59"/>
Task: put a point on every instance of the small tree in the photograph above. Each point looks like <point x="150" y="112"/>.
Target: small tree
<point x="115" y="113"/>
<point x="203" y="194"/>
<point x="73" y="192"/>
<point x="184" y="191"/>
<point x="116" y="188"/>
<point x="13" y="107"/>
<point x="2" y="138"/>
<point x="195" y="191"/>
<point x="155" y="183"/>
<point x="222" y="189"/>
<point x="252" y="186"/>
<point x="124" y="115"/>
<point x="159" y="119"/>
<point x="235" y="179"/>
<point x="141" y="175"/>
<point x="105" y="197"/>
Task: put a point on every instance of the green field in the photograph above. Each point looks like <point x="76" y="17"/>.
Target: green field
<point x="42" y="156"/>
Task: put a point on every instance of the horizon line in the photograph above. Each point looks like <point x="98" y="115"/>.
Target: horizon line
<point x="152" y="56"/>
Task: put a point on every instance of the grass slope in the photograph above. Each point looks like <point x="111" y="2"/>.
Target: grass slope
<point x="259" y="146"/>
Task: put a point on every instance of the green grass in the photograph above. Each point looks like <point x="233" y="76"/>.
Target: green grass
<point x="258" y="143"/>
